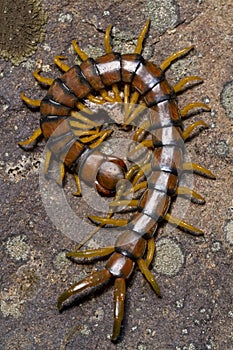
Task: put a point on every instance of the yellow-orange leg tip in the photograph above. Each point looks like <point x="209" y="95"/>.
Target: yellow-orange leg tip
<point x="58" y="61"/>
<point x="183" y="225"/>
<point x="168" y="61"/>
<point x="83" y="56"/>
<point x="185" y="110"/>
<point x="107" y="221"/>
<point x="187" y="132"/>
<point x="78" y="193"/>
<point x="181" y="84"/>
<point x="190" y="194"/>
<point x="142" y="35"/>
<point x="149" y="276"/>
<point x="107" y="39"/>
<point x="31" y="141"/>
<point x="198" y="169"/>
<point x="30" y="102"/>
<point x="150" y="251"/>
<point x="41" y="79"/>
<point x="90" y="253"/>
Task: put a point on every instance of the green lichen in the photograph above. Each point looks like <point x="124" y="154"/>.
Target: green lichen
<point x="164" y="14"/>
<point x="21" y="29"/>
<point x="227" y="98"/>
<point x="18" y="248"/>
<point x="169" y="257"/>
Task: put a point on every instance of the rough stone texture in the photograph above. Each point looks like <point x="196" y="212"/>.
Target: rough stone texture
<point x="196" y="311"/>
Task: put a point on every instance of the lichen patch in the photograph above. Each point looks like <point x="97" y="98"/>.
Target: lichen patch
<point x="21" y="29"/>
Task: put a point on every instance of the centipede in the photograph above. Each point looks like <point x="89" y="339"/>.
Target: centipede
<point x="154" y="166"/>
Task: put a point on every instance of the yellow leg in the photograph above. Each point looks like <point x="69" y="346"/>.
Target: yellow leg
<point x="165" y="64"/>
<point x="61" y="174"/>
<point x="116" y="93"/>
<point x="198" y="169"/>
<point x="78" y="185"/>
<point x="100" y="134"/>
<point x="150" y="251"/>
<point x="32" y="140"/>
<point x="144" y="169"/>
<point x="95" y="99"/>
<point x="143" y="144"/>
<point x="184" y="111"/>
<point x="134" y="114"/>
<point x="77" y="125"/>
<point x="187" y="192"/>
<point x="124" y="202"/>
<point x="104" y="94"/>
<point x="41" y="79"/>
<point x="140" y="186"/>
<point x="179" y="86"/>
<point x="80" y="53"/>
<point x="80" y="117"/>
<point x="139" y="46"/>
<point x="119" y="300"/>
<point x="108" y="221"/>
<point x="131" y="172"/>
<point x="187" y="132"/>
<point x="134" y="99"/>
<point x="101" y="139"/>
<point x="29" y="101"/>
<point x="60" y="64"/>
<point x="80" y="133"/>
<point x="91" y="253"/>
<point x="48" y="156"/>
<point x="183" y="225"/>
<point x="149" y="276"/>
<point x="107" y="44"/>
<point x="81" y="106"/>
<point x="126" y="95"/>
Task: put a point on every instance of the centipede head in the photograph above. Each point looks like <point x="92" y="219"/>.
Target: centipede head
<point x="111" y="171"/>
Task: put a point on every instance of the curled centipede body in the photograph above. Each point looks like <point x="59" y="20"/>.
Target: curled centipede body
<point x="140" y="85"/>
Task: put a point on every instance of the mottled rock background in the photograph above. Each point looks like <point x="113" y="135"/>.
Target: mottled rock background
<point x="195" y="274"/>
